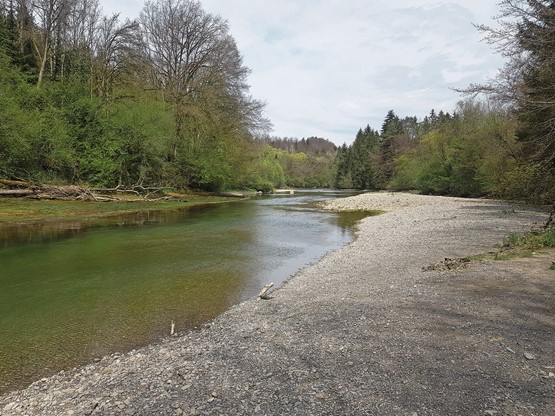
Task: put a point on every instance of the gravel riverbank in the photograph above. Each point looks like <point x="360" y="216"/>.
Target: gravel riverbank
<point x="365" y="331"/>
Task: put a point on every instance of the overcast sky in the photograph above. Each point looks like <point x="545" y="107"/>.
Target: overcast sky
<point x="329" y="67"/>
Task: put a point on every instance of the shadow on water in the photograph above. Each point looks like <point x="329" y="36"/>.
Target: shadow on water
<point x="73" y="291"/>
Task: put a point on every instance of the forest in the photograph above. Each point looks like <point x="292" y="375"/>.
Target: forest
<point x="163" y="100"/>
<point x="498" y="142"/>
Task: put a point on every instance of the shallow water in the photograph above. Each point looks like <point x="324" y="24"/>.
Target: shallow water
<point x="70" y="292"/>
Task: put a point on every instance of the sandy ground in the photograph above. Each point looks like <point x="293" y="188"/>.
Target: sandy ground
<point x="365" y="331"/>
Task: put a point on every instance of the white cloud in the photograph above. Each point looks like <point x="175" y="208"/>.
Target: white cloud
<point x="329" y="67"/>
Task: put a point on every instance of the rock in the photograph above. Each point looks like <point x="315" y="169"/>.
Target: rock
<point x="529" y="356"/>
<point x="491" y="412"/>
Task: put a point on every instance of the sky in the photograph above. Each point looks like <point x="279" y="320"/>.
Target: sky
<point x="327" y="68"/>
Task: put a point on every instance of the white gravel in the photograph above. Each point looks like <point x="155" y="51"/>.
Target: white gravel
<point x="391" y="201"/>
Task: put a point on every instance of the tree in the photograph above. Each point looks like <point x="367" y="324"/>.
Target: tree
<point x="195" y="64"/>
<point x="525" y="36"/>
<point x="51" y="16"/>
<point x="343" y="167"/>
<point x="393" y="138"/>
<point x="182" y="43"/>
<point x="113" y="45"/>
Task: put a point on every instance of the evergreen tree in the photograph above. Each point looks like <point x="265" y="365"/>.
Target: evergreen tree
<point x="392" y="127"/>
<point x="362" y="160"/>
<point x="343" y="167"/>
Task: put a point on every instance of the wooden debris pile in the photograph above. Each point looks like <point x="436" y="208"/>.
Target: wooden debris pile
<point x="22" y="189"/>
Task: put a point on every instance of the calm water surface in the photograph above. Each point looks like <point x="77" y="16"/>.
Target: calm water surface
<point x="68" y="294"/>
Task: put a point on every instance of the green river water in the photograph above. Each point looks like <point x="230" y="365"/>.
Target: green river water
<point x="69" y="293"/>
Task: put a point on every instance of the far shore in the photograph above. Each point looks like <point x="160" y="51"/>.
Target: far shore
<point x="28" y="211"/>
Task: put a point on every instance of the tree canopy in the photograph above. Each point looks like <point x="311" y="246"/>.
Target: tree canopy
<point x="93" y="99"/>
<point x="163" y="100"/>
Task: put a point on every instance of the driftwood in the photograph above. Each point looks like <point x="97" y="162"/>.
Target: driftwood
<point x="16" y="192"/>
<point x="264" y="293"/>
<point x="16" y="188"/>
<point x="11" y="183"/>
<point x="139" y="190"/>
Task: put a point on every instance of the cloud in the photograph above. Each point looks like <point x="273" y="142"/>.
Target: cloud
<point x="329" y="67"/>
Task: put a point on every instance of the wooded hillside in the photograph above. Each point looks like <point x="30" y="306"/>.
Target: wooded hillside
<point x="92" y="99"/>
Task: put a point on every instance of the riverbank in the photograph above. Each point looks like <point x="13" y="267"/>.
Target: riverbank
<point x="364" y="331"/>
<point x="17" y="211"/>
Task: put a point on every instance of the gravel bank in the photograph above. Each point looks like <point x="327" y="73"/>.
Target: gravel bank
<point x="365" y="331"/>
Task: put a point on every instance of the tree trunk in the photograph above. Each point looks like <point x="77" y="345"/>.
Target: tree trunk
<point x="16" y="192"/>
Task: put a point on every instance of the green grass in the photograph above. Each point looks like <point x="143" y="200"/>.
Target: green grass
<point x="21" y="211"/>
<point x="526" y="244"/>
<point x="533" y="240"/>
<point x="520" y="245"/>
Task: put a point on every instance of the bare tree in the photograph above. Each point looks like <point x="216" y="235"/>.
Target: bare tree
<point x="114" y="44"/>
<point x="184" y="46"/>
<point x="51" y="16"/>
<point x="524" y="35"/>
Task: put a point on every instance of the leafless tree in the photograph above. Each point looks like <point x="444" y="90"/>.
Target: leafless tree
<point x="194" y="61"/>
<point x="50" y="15"/>
<point x="114" y="44"/>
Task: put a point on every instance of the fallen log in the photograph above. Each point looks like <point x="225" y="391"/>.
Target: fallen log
<point x="8" y="182"/>
<point x="16" y="192"/>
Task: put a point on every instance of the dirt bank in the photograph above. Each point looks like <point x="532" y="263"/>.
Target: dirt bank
<point x="365" y="331"/>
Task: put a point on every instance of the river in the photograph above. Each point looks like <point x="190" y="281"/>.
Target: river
<point x="70" y="294"/>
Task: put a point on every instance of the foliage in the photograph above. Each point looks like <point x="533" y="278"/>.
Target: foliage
<point x="163" y="100"/>
<point x="305" y="163"/>
<point x="524" y="35"/>
<point x="533" y="240"/>
<point x="99" y="101"/>
<point x="501" y="147"/>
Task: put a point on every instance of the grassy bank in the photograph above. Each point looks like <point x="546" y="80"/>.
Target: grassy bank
<point x="527" y="244"/>
<point x="22" y="211"/>
<point x="521" y="245"/>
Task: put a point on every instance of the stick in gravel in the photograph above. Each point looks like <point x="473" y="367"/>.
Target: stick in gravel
<point x="172" y="332"/>
<point x="264" y="293"/>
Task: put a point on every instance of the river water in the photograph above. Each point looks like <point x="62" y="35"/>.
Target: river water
<point x="69" y="294"/>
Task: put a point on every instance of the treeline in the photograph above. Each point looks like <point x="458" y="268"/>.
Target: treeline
<point x="500" y="146"/>
<point x="474" y="152"/>
<point x="314" y="146"/>
<point x="300" y="163"/>
<point x="92" y="99"/>
<point x="162" y="100"/>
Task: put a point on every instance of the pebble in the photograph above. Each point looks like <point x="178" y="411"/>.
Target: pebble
<point x="529" y="356"/>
